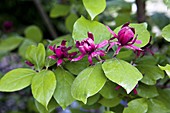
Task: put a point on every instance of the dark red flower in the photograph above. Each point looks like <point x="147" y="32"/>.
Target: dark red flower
<point x="125" y="38"/>
<point x="88" y="47"/>
<point x="61" y="52"/>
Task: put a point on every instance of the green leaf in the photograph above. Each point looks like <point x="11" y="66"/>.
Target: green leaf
<point x="36" y="55"/>
<point x="94" y="7"/>
<point x="51" y="106"/>
<point x="26" y="43"/>
<point x="147" y="91"/>
<point x="93" y="99"/>
<point x="82" y="26"/>
<point x="62" y="92"/>
<point x="10" y="43"/>
<point x="156" y="106"/>
<point x="108" y="91"/>
<point x="59" y="10"/>
<point x="70" y="20"/>
<point x="43" y="87"/>
<point x="164" y="96"/>
<point x="58" y="40"/>
<point x="16" y="79"/>
<point x="166" y="33"/>
<point x="151" y="73"/>
<point x="88" y="83"/>
<point x="122" y="73"/>
<point x="33" y="33"/>
<point x="110" y="102"/>
<point x="166" y="69"/>
<point x="77" y="67"/>
<point x="141" y="31"/>
<point x="137" y="106"/>
<point x="167" y="2"/>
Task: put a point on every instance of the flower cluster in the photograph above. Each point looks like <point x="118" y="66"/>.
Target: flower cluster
<point x="61" y="52"/>
<point x="125" y="39"/>
<point x="88" y="47"/>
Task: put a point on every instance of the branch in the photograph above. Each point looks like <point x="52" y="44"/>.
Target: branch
<point x="45" y="18"/>
<point x="141" y="5"/>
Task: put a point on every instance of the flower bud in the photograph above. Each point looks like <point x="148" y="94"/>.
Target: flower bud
<point x="126" y="34"/>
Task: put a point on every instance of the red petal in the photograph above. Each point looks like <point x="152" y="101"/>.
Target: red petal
<point x="53" y="57"/>
<point x="90" y="35"/>
<point x="59" y="62"/>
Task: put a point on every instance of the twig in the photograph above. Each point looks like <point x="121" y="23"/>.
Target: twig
<point x="45" y="18"/>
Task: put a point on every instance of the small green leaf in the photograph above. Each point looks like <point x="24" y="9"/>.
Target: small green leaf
<point x="43" y="87"/>
<point x="82" y="26"/>
<point x="25" y="44"/>
<point x="70" y="20"/>
<point x="51" y="106"/>
<point x="62" y="92"/>
<point x="108" y="91"/>
<point x="151" y="73"/>
<point x="10" y="43"/>
<point x="16" y="79"/>
<point x="166" y="69"/>
<point x="33" y="33"/>
<point x="166" y="33"/>
<point x="137" y="106"/>
<point x="110" y="102"/>
<point x="94" y="7"/>
<point x="88" y="83"/>
<point x="156" y="106"/>
<point x="122" y="73"/>
<point x="147" y="91"/>
<point x="59" y="10"/>
<point x="36" y="55"/>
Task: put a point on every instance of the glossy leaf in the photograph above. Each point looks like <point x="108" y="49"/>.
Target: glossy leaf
<point x="33" y="33"/>
<point x="62" y="92"/>
<point x="10" y="43"/>
<point x="156" y="106"/>
<point x="137" y="106"/>
<point x="108" y="91"/>
<point x="36" y="55"/>
<point x="151" y="73"/>
<point x="122" y="73"/>
<point x="43" y="87"/>
<point x="166" y="33"/>
<point x="88" y="83"/>
<point x="16" y="79"/>
<point x="94" y="7"/>
<point x="82" y="26"/>
<point x="147" y="91"/>
<point x="59" y="10"/>
<point x="26" y="43"/>
<point x="77" y="67"/>
<point x="166" y="69"/>
<point x="110" y="102"/>
<point x="141" y="31"/>
<point x="70" y="20"/>
<point x="51" y="106"/>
